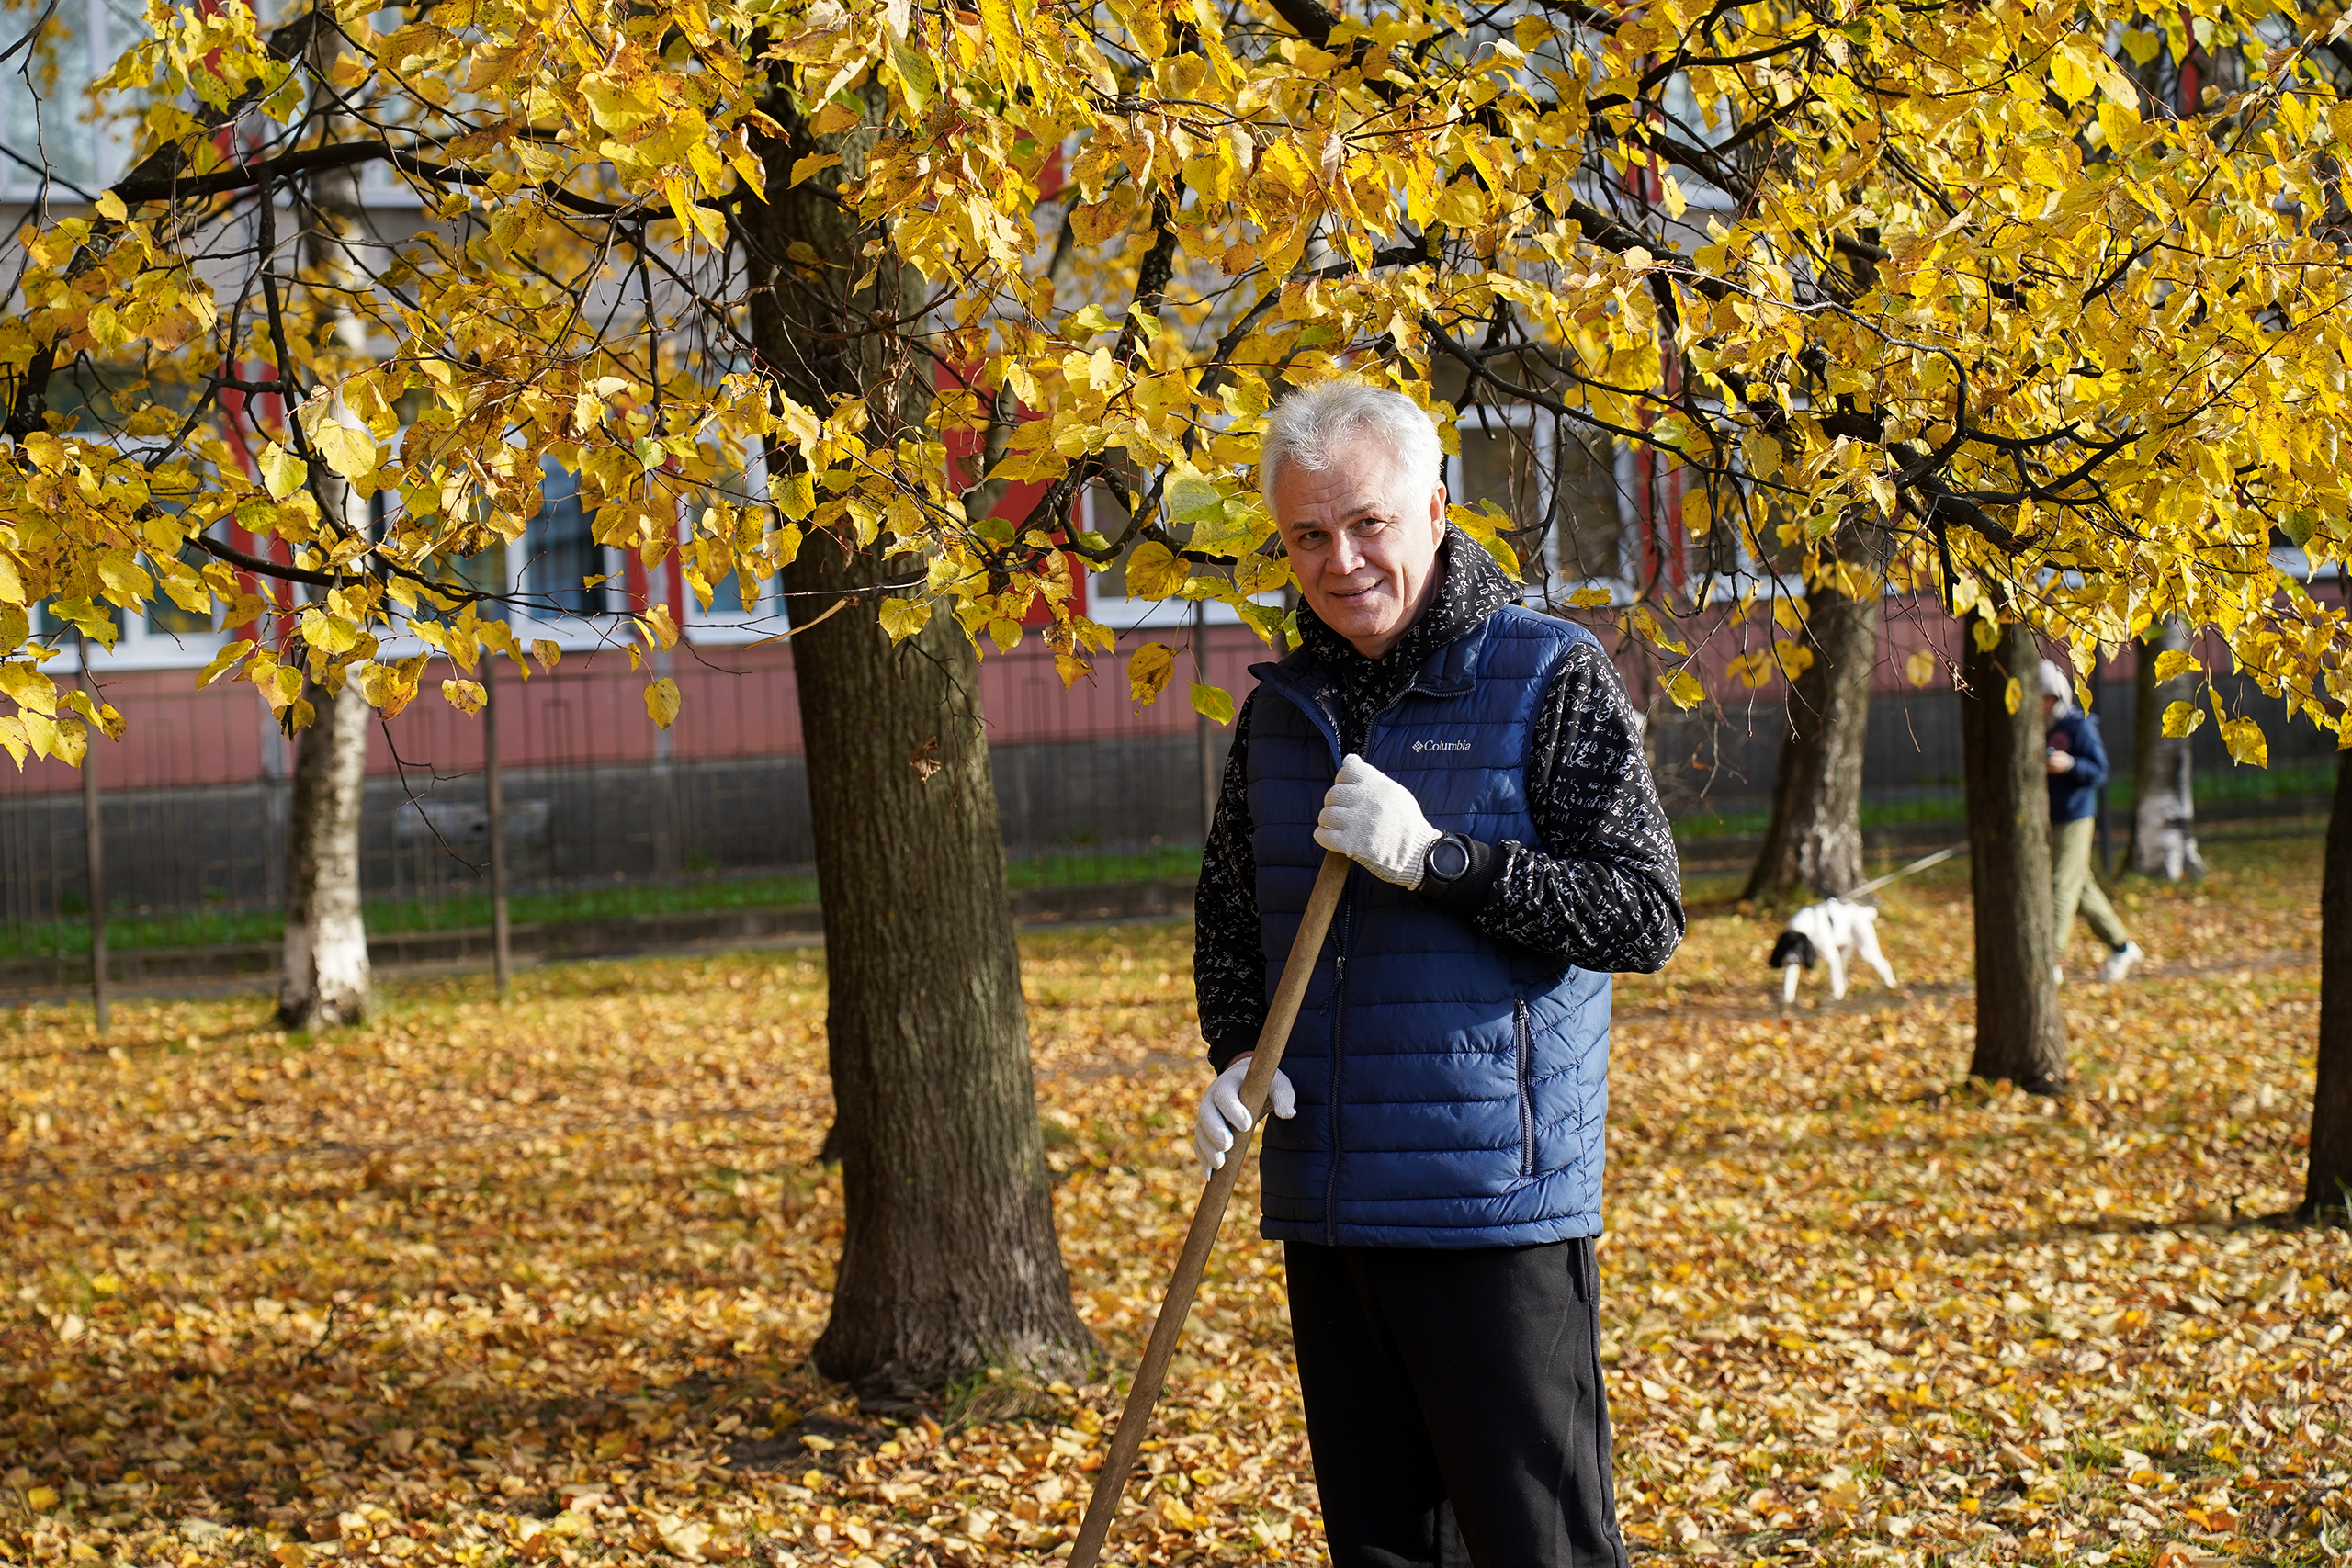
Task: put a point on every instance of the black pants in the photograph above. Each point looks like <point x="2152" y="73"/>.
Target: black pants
<point x="1455" y="1407"/>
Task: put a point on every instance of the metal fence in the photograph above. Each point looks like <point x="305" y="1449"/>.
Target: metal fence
<point x="195" y="800"/>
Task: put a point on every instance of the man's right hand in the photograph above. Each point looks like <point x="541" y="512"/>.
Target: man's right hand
<point x="1223" y="1120"/>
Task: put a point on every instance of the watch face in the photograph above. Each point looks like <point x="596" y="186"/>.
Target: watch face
<point x="1448" y="859"/>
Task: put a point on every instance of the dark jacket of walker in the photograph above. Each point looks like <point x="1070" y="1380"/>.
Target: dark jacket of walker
<point x="1451" y="1090"/>
<point x="2074" y="794"/>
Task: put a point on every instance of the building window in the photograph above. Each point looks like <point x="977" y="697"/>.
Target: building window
<point x="1588" y="523"/>
<point x="561" y="551"/>
<point x="48" y="125"/>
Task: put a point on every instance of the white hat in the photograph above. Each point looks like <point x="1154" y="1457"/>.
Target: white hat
<point x="2055" y="685"/>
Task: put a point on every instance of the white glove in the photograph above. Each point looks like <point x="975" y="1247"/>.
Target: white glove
<point x="1223" y="1119"/>
<point x="1376" y="822"/>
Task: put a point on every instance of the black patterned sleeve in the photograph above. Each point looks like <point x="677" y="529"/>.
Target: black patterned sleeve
<point x="1228" y="959"/>
<point x="1605" y="890"/>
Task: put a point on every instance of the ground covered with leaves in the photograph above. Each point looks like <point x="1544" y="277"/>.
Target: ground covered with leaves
<point x="482" y="1285"/>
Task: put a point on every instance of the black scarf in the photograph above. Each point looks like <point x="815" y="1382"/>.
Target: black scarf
<point x="1470" y="587"/>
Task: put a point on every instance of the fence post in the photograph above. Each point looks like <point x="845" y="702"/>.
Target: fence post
<point x="94" y="852"/>
<point x="501" y="958"/>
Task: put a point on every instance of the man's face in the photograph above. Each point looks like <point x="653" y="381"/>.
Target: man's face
<point x="1362" y="540"/>
<point x="2049" y="706"/>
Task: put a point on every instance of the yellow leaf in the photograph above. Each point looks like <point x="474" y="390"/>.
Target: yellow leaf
<point x="466" y="696"/>
<point x="1684" y="688"/>
<point x="2248" y="746"/>
<point x="1148" y="672"/>
<point x="223" y="661"/>
<point x="70" y="741"/>
<point x="348" y="451"/>
<point x="904" y="617"/>
<point x="2173" y="663"/>
<point x="1753" y="667"/>
<point x="110" y="206"/>
<point x="2182" y="718"/>
<point x="2068" y="74"/>
<point x="1920" y="668"/>
<point x="546" y="652"/>
<point x="1589" y="598"/>
<point x="616" y="106"/>
<point x="803" y="167"/>
<point x="282" y="473"/>
<point x="1254" y="574"/>
<point x="663" y="701"/>
<point x="1154" y="572"/>
<point x="1213" y="702"/>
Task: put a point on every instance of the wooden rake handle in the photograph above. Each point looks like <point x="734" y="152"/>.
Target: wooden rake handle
<point x="1298" y="969"/>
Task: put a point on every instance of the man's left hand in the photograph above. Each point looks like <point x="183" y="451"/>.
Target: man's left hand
<point x="1376" y="822"/>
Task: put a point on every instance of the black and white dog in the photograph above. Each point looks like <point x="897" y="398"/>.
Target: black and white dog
<point x="1832" y="931"/>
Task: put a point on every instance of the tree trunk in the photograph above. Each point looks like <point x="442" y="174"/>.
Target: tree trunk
<point x="1815" y="837"/>
<point x="2020" y="1033"/>
<point x="2328" y="1182"/>
<point x="327" y="982"/>
<point x="2164" y="809"/>
<point x="949" y="1261"/>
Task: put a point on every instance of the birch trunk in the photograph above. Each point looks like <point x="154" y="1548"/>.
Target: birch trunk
<point x="327" y="982"/>
<point x="2164" y="811"/>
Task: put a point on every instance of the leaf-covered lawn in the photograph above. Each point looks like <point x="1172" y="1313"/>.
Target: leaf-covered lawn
<point x="478" y="1285"/>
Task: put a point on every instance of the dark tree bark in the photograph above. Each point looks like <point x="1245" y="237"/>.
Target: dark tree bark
<point x="2020" y="1033"/>
<point x="950" y="1260"/>
<point x="2328" y="1181"/>
<point x="1814" y="841"/>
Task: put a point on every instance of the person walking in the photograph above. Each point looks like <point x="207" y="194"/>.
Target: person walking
<point x="1433" y="1165"/>
<point x="2076" y="759"/>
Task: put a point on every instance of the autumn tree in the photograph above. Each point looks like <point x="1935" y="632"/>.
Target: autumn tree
<point x="325" y="977"/>
<point x="1926" y="298"/>
<point x="1814" y="839"/>
<point x="2328" y="1175"/>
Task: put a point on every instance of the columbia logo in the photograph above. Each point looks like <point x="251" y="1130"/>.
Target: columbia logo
<point x="1441" y="745"/>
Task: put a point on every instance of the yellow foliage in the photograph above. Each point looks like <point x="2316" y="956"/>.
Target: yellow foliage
<point x="1960" y="290"/>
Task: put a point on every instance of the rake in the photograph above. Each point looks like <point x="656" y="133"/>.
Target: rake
<point x="1297" y="970"/>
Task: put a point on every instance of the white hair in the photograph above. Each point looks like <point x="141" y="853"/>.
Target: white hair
<point x="1308" y="428"/>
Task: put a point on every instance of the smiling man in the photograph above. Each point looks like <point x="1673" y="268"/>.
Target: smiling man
<point x="1434" y="1169"/>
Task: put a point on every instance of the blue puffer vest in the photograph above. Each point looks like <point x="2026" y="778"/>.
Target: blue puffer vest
<point x="1452" y="1090"/>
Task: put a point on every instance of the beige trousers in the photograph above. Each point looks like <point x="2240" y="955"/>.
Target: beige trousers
<point x="2070" y="866"/>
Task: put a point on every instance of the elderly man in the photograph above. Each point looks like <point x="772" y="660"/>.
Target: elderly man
<point x="1434" y="1169"/>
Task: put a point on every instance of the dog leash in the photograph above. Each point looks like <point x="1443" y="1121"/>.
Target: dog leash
<point x="1937" y="859"/>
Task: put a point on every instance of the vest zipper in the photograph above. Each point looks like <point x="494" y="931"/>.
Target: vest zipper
<point x="1526" y="1092"/>
<point x="1338" y="1005"/>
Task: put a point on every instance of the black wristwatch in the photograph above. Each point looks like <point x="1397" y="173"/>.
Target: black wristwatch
<point x="1446" y="862"/>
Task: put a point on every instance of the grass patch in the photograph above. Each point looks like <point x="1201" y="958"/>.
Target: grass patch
<point x="1072" y="867"/>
